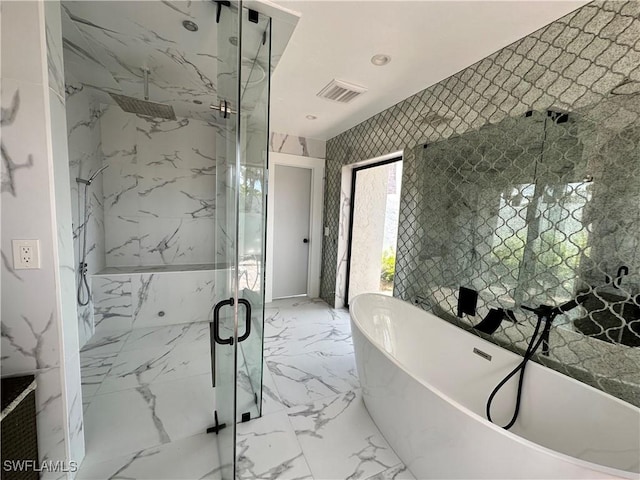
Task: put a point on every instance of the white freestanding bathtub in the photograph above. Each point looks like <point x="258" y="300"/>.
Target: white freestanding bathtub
<point x="426" y="390"/>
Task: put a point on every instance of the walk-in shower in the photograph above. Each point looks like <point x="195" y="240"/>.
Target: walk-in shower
<point x="84" y="290"/>
<point x="177" y="220"/>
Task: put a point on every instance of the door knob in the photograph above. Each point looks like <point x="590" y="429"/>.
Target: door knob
<point x="305" y="240"/>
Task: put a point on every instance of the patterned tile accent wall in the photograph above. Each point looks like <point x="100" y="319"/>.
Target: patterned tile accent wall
<point x="586" y="64"/>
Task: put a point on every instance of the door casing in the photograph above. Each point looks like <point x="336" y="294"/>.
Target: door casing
<point x="317" y="166"/>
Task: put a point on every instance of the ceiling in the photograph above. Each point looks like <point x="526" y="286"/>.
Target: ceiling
<point x="427" y="40"/>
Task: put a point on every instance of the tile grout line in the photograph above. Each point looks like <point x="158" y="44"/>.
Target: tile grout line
<point x="304" y="455"/>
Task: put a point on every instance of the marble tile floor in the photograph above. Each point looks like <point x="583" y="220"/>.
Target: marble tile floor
<point x="147" y="396"/>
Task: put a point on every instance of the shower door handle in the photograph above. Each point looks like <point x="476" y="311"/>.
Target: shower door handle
<point x="216" y="322"/>
<point x="214" y="336"/>
<point x="212" y="342"/>
<point x="247" y="331"/>
<point x="214" y="331"/>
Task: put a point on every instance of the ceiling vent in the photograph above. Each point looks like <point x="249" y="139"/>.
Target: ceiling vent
<point x="339" y="91"/>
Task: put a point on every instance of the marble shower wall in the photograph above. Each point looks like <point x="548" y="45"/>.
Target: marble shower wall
<point x="39" y="323"/>
<point x="588" y="56"/>
<point x="124" y="301"/>
<point x="85" y="158"/>
<point x="159" y="190"/>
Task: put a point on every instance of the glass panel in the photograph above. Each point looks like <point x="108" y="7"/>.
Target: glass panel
<point x="254" y="107"/>
<point x="521" y="223"/>
<point x="225" y="235"/>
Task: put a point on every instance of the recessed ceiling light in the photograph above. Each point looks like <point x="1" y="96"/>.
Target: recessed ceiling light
<point x="380" y="59"/>
<point x="189" y="25"/>
<point x="311" y="117"/>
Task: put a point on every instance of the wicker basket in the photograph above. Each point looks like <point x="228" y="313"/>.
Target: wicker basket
<point x="19" y="432"/>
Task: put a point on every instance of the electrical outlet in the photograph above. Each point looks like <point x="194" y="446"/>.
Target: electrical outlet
<point x="26" y="254"/>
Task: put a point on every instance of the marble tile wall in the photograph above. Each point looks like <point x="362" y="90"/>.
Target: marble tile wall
<point x="294" y="145"/>
<point x="85" y="158"/>
<point x="39" y="323"/>
<point x="64" y="227"/>
<point x="577" y="61"/>
<point x="137" y="300"/>
<point x="159" y="190"/>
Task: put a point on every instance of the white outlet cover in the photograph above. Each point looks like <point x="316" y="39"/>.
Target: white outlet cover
<point x="18" y="261"/>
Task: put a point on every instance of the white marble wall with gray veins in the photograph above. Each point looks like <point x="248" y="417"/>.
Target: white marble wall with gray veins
<point x="85" y="158"/>
<point x="138" y="300"/>
<point x="293" y="145"/>
<point x="63" y="228"/>
<point x="159" y="190"/>
<point x="39" y="326"/>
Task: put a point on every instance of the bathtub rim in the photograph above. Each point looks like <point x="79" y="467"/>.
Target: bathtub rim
<point x="456" y="404"/>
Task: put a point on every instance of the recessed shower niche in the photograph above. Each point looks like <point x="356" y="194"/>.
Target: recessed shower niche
<point x="167" y="114"/>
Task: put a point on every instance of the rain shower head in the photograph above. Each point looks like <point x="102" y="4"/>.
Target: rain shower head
<point x="144" y="107"/>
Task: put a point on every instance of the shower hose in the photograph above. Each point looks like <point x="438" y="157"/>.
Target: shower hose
<point x="84" y="294"/>
<point x="546" y="315"/>
<point x="534" y="344"/>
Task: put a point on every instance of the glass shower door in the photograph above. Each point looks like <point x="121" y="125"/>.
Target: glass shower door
<point x="236" y="333"/>
<point x="224" y="324"/>
<point x="254" y="90"/>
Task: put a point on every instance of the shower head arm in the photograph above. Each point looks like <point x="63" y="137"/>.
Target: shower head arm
<point x="98" y="172"/>
<point x="92" y="177"/>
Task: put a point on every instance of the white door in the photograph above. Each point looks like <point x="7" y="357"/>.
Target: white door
<point x="292" y="207"/>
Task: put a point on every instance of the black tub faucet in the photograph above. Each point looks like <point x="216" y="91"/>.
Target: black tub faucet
<point x="494" y="318"/>
<point x="467" y="301"/>
<point x="622" y="271"/>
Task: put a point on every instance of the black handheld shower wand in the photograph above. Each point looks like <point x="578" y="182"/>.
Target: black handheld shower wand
<point x="546" y="314"/>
